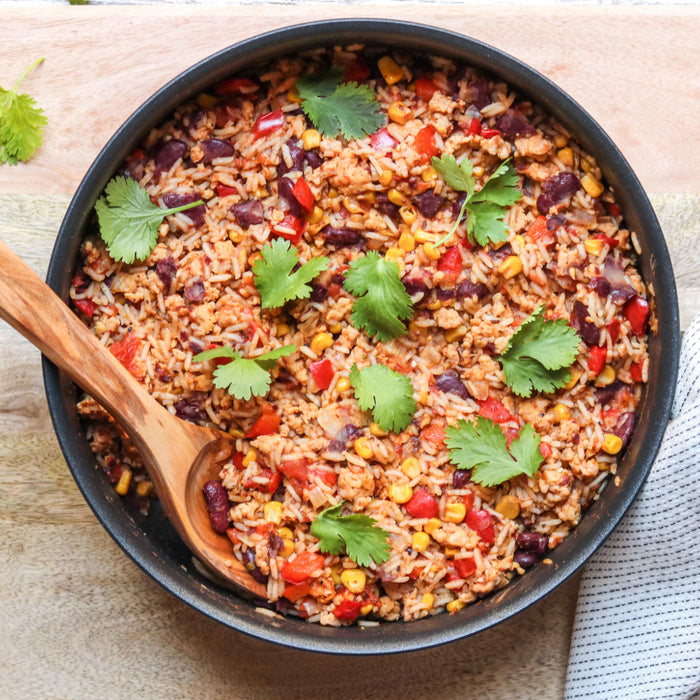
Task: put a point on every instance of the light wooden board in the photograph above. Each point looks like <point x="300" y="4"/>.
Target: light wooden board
<point x="85" y="622"/>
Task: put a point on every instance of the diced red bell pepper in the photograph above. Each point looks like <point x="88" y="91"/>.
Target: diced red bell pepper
<point x="416" y="571"/>
<point x="451" y="263"/>
<point x="235" y="86"/>
<point x="274" y="479"/>
<point x="267" y="424"/>
<point x="348" y="609"/>
<point x="290" y="222"/>
<point x="468" y="500"/>
<point x="480" y="522"/>
<point x="465" y="567"/>
<point x="303" y="194"/>
<point x="382" y="140"/>
<point x="434" y="433"/>
<point x="237" y="460"/>
<point x="425" y="143"/>
<point x="474" y="127"/>
<point x="614" y="330"/>
<point x="636" y="371"/>
<point x="511" y="434"/>
<point x="613" y="209"/>
<point x="301" y="567"/>
<point x="596" y="361"/>
<point x="323" y="373"/>
<point x="423" y="504"/>
<point x="125" y="351"/>
<point x="334" y="290"/>
<point x="327" y="476"/>
<point x="538" y="231"/>
<point x="637" y="313"/>
<point x="490" y="133"/>
<point x="224" y="190"/>
<point x="295" y="592"/>
<point x="494" y="410"/>
<point x="425" y="88"/>
<point x="233" y="534"/>
<point x="296" y="470"/>
<point x="137" y="154"/>
<point x="545" y="449"/>
<point x="612" y="242"/>
<point x="357" y="71"/>
<point x="87" y="306"/>
<point x="267" y="123"/>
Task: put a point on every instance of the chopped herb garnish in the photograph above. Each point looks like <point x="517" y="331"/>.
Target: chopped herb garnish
<point x="539" y="354"/>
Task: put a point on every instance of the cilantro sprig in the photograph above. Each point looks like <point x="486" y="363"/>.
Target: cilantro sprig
<point x="382" y="301"/>
<point x="482" y="447"/>
<point x="274" y="278"/>
<point x="539" y="354"/>
<point x="241" y="377"/>
<point x="21" y="123"/>
<point x="334" y="106"/>
<point x="388" y="394"/>
<point x="363" y="540"/>
<point x="485" y="209"/>
<point x="129" y="220"/>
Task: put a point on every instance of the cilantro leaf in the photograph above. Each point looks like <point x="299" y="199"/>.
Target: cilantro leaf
<point x="388" y="394"/>
<point x="383" y="301"/>
<point x="538" y="354"/>
<point x="363" y="540"/>
<point x="485" y="209"/>
<point x="482" y="447"/>
<point x="129" y="221"/>
<point x="21" y="123"/>
<point x="334" y="106"/>
<point x="274" y="278"/>
<point x="241" y="377"/>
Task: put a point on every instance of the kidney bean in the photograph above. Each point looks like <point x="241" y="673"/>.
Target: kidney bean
<point x="253" y="569"/>
<point x="605" y="394"/>
<point x="449" y="382"/>
<point x="534" y="542"/>
<point x="217" y="505"/>
<point x="386" y="207"/>
<point x="480" y="91"/>
<point x="587" y="329"/>
<point x="178" y="199"/>
<point x="285" y="189"/>
<point x="461" y="478"/>
<point x="248" y="213"/>
<point x="498" y="256"/>
<point x="624" y="427"/>
<point x="414" y="285"/>
<point x="555" y="222"/>
<point x="194" y="292"/>
<point x="514" y="123"/>
<point x="165" y="269"/>
<point x="600" y="286"/>
<point x="313" y="159"/>
<point x="215" y="148"/>
<point x="555" y="189"/>
<point x="318" y="292"/>
<point x="190" y="408"/>
<point x="468" y="289"/>
<point x="274" y="544"/>
<point x="168" y="154"/>
<point x="525" y="560"/>
<point x="341" y="237"/>
<point x="428" y="203"/>
<point x="444" y="294"/>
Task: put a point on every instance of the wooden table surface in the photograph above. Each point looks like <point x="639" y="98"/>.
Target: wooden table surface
<point x="79" y="620"/>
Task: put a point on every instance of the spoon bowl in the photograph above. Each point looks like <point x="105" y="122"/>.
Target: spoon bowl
<point x="180" y="457"/>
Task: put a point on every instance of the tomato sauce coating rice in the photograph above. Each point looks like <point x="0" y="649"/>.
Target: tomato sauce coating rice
<point x="305" y="444"/>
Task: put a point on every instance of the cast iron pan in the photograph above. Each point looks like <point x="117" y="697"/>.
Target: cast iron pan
<point x="153" y="544"/>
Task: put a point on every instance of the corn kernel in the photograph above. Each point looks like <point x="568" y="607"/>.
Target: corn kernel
<point x="310" y="139"/>
<point x="394" y="254"/>
<point x="395" y="197"/>
<point x="594" y="246"/>
<point x="376" y="430"/>
<point x="399" y="112"/>
<point x="282" y="329"/>
<point x="451" y="551"/>
<point x="252" y="259"/>
<point x="287" y="548"/>
<point x="261" y="192"/>
<point x="272" y="512"/>
<point x="455" y="512"/>
<point x="430" y="250"/>
<point x="575" y="376"/>
<point x="566" y="156"/>
<point x="385" y="177"/>
<point x="400" y="493"/>
<point x="433" y="305"/>
<point x="414" y="327"/>
<point x="454" y="606"/>
<point x="420" y="541"/>
<point x="432" y="525"/>
<point x="606" y="377"/>
<point x="363" y="448"/>
<point x="343" y="384"/>
<point x="407" y="214"/>
<point x="122" y="487"/>
<point x="354" y="580"/>
<point x="144" y="489"/>
<point x="428" y="174"/>
<point x="612" y="444"/>
<point x="335" y="328"/>
<point x="427" y="600"/>
<point x="411" y="467"/>
<point x="366" y="609"/>
<point x="320" y="342"/>
<point x="236" y="433"/>
<point x="391" y="71"/>
<point x="509" y="507"/>
<point x="333" y="193"/>
<point x="293" y="96"/>
<point x="423" y="398"/>
<point x="250" y="456"/>
<point x="422" y="236"/>
<point x="351" y="205"/>
<point x="560" y="140"/>
<point x="519" y="241"/>
<point x="511" y="267"/>
<point x="560" y="412"/>
<point x="206" y="101"/>
<point x="285" y="533"/>
<point x="407" y="242"/>
<point x="236" y="236"/>
<point x="455" y="334"/>
<point x="335" y="574"/>
<point x="586" y="164"/>
<point x="315" y="216"/>
<point x="592" y="185"/>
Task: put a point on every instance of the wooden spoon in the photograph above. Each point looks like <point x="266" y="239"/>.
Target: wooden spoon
<point x="179" y="456"/>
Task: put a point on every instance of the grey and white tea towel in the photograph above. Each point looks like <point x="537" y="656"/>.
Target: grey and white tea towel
<point x="637" y="628"/>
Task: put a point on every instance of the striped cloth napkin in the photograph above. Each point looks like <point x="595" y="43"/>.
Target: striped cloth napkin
<point x="637" y="627"/>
